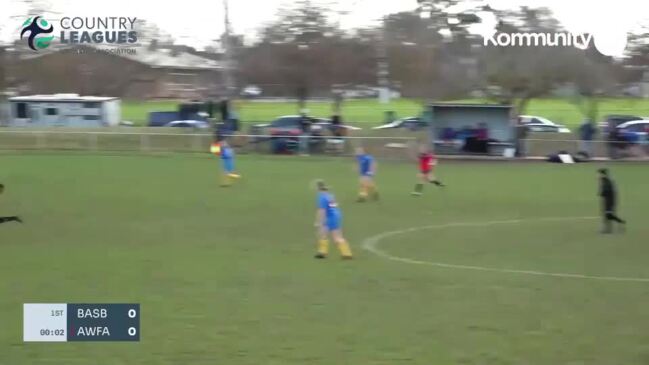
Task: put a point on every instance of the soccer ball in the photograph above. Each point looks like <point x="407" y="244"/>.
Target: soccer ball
<point x="215" y="148"/>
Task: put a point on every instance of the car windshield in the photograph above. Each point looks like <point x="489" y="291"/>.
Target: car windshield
<point x="638" y="127"/>
<point x="620" y="120"/>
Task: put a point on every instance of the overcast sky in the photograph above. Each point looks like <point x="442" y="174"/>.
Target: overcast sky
<point x="197" y="22"/>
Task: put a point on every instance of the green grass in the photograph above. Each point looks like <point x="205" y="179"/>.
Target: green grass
<point x="138" y="111"/>
<point x="225" y="276"/>
<point x="371" y="112"/>
<point x="355" y="111"/>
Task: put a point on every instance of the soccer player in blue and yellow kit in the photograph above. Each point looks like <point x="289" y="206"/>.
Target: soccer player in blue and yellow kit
<point x="227" y="158"/>
<point x="366" y="170"/>
<point x="329" y="222"/>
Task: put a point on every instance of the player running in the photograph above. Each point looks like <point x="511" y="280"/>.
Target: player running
<point x="227" y="159"/>
<point x="13" y="218"/>
<point x="328" y="220"/>
<point x="367" y="171"/>
<point x="427" y="162"/>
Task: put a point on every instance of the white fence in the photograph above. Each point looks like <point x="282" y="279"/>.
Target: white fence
<point x="103" y="141"/>
<point x="145" y="141"/>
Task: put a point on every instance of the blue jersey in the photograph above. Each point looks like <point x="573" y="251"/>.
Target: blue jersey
<point x="227" y="153"/>
<point x="327" y="202"/>
<point x="365" y="163"/>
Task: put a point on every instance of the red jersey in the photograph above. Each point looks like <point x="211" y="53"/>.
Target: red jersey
<point x="427" y="161"/>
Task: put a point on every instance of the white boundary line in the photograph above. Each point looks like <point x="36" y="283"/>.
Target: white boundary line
<point x="371" y="244"/>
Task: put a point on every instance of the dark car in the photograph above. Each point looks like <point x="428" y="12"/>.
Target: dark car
<point x="634" y="131"/>
<point x="290" y="125"/>
<point x="612" y="121"/>
<point x="284" y="133"/>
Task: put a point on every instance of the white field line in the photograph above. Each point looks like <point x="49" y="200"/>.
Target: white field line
<point x="371" y="244"/>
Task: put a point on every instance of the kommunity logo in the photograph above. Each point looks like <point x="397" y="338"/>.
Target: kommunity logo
<point x="609" y="43"/>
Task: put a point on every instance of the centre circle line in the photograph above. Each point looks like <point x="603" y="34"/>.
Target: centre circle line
<point x="371" y="244"/>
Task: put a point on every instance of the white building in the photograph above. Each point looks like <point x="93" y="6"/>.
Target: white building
<point x="64" y="110"/>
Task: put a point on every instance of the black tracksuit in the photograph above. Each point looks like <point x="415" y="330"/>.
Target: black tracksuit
<point x="608" y="194"/>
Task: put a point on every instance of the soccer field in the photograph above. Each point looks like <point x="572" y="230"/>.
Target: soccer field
<point x="504" y="266"/>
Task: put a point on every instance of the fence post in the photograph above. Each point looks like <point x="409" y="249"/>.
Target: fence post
<point x="40" y="141"/>
<point x="92" y="141"/>
<point x="144" y="142"/>
<point x="196" y="143"/>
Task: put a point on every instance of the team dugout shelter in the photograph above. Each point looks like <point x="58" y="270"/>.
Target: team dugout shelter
<point x="64" y="110"/>
<point x="471" y="128"/>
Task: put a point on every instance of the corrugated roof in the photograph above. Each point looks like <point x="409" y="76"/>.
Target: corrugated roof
<point x="61" y="97"/>
<point x="165" y="58"/>
<point x="157" y="58"/>
<point x="456" y="105"/>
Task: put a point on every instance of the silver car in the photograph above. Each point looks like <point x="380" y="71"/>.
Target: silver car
<point x="540" y="124"/>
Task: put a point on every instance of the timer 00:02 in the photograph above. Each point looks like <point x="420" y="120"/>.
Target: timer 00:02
<point x="47" y="332"/>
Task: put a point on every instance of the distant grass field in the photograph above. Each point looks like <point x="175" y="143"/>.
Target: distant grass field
<point x="226" y="276"/>
<point x="371" y="112"/>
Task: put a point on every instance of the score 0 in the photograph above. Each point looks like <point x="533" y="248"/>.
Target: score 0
<point x="132" y="313"/>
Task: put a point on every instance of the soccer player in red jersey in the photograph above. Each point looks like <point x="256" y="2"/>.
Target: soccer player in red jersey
<point x="427" y="162"/>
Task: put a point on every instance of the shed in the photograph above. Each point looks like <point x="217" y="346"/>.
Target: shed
<point x="64" y="110"/>
<point x="452" y="122"/>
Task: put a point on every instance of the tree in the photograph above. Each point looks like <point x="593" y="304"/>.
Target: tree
<point x="519" y="74"/>
<point x="304" y="24"/>
<point x="303" y="53"/>
<point x="639" y="47"/>
<point x="430" y="50"/>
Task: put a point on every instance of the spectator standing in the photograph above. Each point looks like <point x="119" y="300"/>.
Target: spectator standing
<point x="587" y="132"/>
<point x="337" y="128"/>
<point x="305" y="126"/>
<point x="483" y="132"/>
<point x="224" y="110"/>
<point x="614" y="143"/>
<point x="521" y="136"/>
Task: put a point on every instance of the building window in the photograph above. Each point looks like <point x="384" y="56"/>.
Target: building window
<point x="91" y="105"/>
<point x="51" y="111"/>
<point x="90" y="117"/>
<point x="21" y="110"/>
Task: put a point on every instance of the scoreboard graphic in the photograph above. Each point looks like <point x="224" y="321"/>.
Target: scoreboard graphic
<point x="66" y="322"/>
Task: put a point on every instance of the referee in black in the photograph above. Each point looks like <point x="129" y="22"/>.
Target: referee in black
<point x="14" y="218"/>
<point x="609" y="201"/>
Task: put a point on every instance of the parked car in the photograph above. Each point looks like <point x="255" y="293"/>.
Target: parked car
<point x="637" y="129"/>
<point x="612" y="121"/>
<point x="251" y="91"/>
<point x="289" y="125"/>
<point x="196" y="124"/>
<point x="284" y="133"/>
<point x="325" y="123"/>
<point x="410" y="123"/>
<point x="540" y="124"/>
